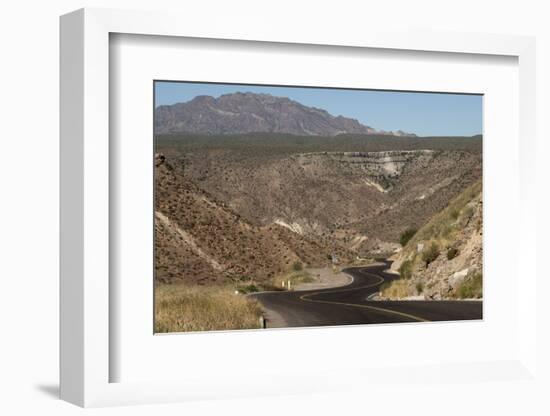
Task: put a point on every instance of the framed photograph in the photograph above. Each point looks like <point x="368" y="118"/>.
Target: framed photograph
<point x="242" y="208"/>
<point x="270" y="213"/>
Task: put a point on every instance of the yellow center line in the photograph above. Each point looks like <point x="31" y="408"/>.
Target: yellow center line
<point x="306" y="298"/>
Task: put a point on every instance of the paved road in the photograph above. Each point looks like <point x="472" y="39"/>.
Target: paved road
<point x="348" y="305"/>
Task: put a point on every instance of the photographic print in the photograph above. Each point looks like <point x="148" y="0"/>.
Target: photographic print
<point x="295" y="206"/>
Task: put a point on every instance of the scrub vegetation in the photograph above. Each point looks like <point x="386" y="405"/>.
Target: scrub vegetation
<point x="471" y="287"/>
<point x="443" y="258"/>
<point x="180" y="308"/>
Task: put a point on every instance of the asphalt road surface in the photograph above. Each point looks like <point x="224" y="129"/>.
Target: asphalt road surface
<point x="348" y="305"/>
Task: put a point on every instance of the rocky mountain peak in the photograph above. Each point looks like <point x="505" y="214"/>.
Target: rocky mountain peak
<point x="247" y="112"/>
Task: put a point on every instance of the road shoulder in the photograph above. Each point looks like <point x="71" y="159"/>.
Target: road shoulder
<point x="325" y="278"/>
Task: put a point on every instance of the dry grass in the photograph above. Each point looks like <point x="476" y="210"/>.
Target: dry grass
<point x="183" y="308"/>
<point x="471" y="287"/>
<point x="396" y="289"/>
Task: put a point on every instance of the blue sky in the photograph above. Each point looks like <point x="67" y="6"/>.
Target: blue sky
<point x="426" y="114"/>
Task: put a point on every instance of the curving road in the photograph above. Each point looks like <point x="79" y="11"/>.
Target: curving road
<point x="348" y="305"/>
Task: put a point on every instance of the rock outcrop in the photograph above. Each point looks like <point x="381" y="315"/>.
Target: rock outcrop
<point x="444" y="260"/>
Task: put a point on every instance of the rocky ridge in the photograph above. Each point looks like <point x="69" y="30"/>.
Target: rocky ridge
<point x="242" y="113"/>
<point x="363" y="200"/>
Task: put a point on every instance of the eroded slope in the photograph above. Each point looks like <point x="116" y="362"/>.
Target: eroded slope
<point x="200" y="240"/>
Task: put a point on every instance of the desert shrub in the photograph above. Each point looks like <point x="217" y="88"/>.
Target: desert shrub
<point x="406" y="236"/>
<point x="446" y="230"/>
<point x="419" y="287"/>
<point x="431" y="253"/>
<point x="454" y="213"/>
<point x="468" y="212"/>
<point x="243" y="278"/>
<point x="452" y="253"/>
<point x="471" y="287"/>
<point x="250" y="288"/>
<point x="405" y="270"/>
<point x="303" y="278"/>
<point x="297" y="266"/>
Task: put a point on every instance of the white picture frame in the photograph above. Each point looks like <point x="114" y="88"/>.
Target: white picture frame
<point x="86" y="356"/>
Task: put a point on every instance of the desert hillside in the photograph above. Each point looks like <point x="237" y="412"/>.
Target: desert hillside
<point x="443" y="260"/>
<point x="199" y="239"/>
<point x="320" y="190"/>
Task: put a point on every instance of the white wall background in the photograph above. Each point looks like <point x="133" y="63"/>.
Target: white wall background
<point x="29" y="204"/>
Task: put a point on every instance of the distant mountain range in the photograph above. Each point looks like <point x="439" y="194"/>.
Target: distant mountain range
<point x="241" y="113"/>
